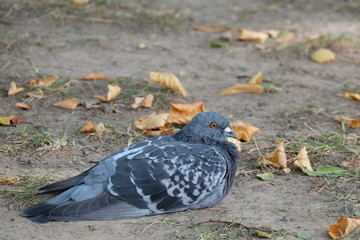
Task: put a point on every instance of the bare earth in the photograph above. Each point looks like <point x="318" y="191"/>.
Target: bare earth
<point x="48" y="37"/>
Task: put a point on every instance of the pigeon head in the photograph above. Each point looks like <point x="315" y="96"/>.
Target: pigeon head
<point x="207" y="125"/>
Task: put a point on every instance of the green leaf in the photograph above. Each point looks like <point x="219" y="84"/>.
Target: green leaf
<point x="302" y="236"/>
<point x="308" y="172"/>
<point x="216" y="44"/>
<point x="263" y="234"/>
<point x="330" y="169"/>
<point x="266" y="176"/>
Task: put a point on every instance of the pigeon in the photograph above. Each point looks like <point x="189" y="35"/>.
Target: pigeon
<point x="191" y="169"/>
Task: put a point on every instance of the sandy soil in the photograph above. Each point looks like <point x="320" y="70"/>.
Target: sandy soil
<point x="46" y="38"/>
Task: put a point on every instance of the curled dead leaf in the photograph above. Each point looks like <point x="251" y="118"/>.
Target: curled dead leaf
<point x="167" y="129"/>
<point x="257" y="79"/>
<point x="145" y="102"/>
<point x="70" y="104"/>
<point x="353" y="96"/>
<point x="343" y="227"/>
<point x="13" y="89"/>
<point x="302" y="160"/>
<point x="241" y="88"/>
<point x="38" y="94"/>
<point x="93" y="76"/>
<point x="22" y="105"/>
<point x="210" y="29"/>
<point x="43" y="82"/>
<point x="275" y="159"/>
<point x="183" y="113"/>
<point x="89" y="127"/>
<point x="100" y="129"/>
<point x="234" y="141"/>
<point x="168" y="80"/>
<point x="353" y="123"/>
<point x="272" y="33"/>
<point x="323" y="55"/>
<point x="151" y="122"/>
<point x="17" y="120"/>
<point x="244" y="130"/>
<point x="113" y="92"/>
<point x="248" y="35"/>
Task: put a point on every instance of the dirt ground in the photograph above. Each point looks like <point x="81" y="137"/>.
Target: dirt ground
<point x="50" y="37"/>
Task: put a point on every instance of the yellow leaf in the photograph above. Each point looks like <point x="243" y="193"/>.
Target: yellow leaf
<point x="76" y="3"/>
<point x="38" y="94"/>
<point x="343" y="227"/>
<point x="275" y="159"/>
<point x="70" y="103"/>
<point x="168" y="80"/>
<point x="210" y="29"/>
<point x="353" y="96"/>
<point x="93" y="76"/>
<point x="302" y="160"/>
<point x="183" y="113"/>
<point x="151" y="122"/>
<point x="257" y="79"/>
<point x="13" y="89"/>
<point x="89" y="127"/>
<point x="234" y="141"/>
<point x="323" y="55"/>
<point x="43" y="82"/>
<point x="240" y="88"/>
<point x="6" y="120"/>
<point x="247" y="35"/>
<point x="353" y="123"/>
<point x="244" y="130"/>
<point x="22" y="105"/>
<point x="113" y="92"/>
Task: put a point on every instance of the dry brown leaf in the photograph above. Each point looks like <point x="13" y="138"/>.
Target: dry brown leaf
<point x="353" y="123"/>
<point x="100" y="129"/>
<point x="13" y="89"/>
<point x="183" y="113"/>
<point x="70" y="103"/>
<point x="286" y="38"/>
<point x="234" y="141"/>
<point x="167" y="129"/>
<point x="211" y="29"/>
<point x="240" y="88"/>
<point x="168" y="80"/>
<point x="88" y="128"/>
<point x="38" y="94"/>
<point x="275" y="159"/>
<point x="244" y="130"/>
<point x="272" y="33"/>
<point x="22" y="105"/>
<point x="17" y="120"/>
<point x="257" y="79"/>
<point x="343" y="227"/>
<point x="6" y="120"/>
<point x="7" y="180"/>
<point x="113" y="92"/>
<point x="76" y="3"/>
<point x="323" y="55"/>
<point x="248" y="35"/>
<point x="145" y="102"/>
<point x="302" y="160"/>
<point x="353" y="96"/>
<point x="43" y="82"/>
<point x="137" y="102"/>
<point x="93" y="76"/>
<point x="151" y="122"/>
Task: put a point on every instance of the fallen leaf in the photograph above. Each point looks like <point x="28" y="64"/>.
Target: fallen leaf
<point x="353" y="123"/>
<point x="22" y="105"/>
<point x="302" y="160"/>
<point x="275" y="159"/>
<point x="244" y="130"/>
<point x="343" y="227"/>
<point x="183" y="113"/>
<point x="38" y="94"/>
<point x="70" y="103"/>
<point x="5" y="120"/>
<point x="234" y="141"/>
<point x="17" y="120"/>
<point x="248" y="35"/>
<point x="323" y="55"/>
<point x="214" y="44"/>
<point x="257" y="79"/>
<point x="353" y="96"/>
<point x="88" y="128"/>
<point x="76" y="3"/>
<point x="151" y="122"/>
<point x="43" y="82"/>
<point x="7" y="180"/>
<point x="286" y="38"/>
<point x="93" y="76"/>
<point x="211" y="29"/>
<point x="227" y="36"/>
<point x="241" y="88"/>
<point x="113" y="92"/>
<point x="167" y="129"/>
<point x="137" y="102"/>
<point x="145" y="102"/>
<point x="13" y="89"/>
<point x="100" y="129"/>
<point x="168" y="80"/>
<point x="272" y="33"/>
<point x="266" y="176"/>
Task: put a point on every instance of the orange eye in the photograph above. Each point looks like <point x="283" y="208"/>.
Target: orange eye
<point x="213" y="125"/>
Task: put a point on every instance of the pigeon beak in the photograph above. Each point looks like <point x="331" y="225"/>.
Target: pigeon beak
<point x="230" y="133"/>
